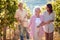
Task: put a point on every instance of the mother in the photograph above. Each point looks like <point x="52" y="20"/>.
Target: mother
<point x="35" y="20"/>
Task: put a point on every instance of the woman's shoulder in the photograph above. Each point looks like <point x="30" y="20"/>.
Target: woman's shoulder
<point x="32" y="17"/>
<point x="41" y="15"/>
<point x="44" y="13"/>
<point x="53" y="13"/>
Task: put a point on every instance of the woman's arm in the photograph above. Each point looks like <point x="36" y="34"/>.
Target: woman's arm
<point x="49" y="21"/>
<point x="44" y="23"/>
<point x="30" y="21"/>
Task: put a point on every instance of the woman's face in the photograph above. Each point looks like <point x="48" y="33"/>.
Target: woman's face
<point x="37" y="11"/>
<point x="47" y="8"/>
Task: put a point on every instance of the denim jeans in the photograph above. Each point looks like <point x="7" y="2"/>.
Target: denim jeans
<point x="23" y="31"/>
<point x="27" y="35"/>
<point x="21" y="37"/>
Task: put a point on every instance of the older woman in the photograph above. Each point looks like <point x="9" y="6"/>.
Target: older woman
<point x="35" y="20"/>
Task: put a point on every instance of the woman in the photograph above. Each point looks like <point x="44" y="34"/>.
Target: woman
<point x="35" y="20"/>
<point x="49" y="17"/>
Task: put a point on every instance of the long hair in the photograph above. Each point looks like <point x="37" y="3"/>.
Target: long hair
<point x="50" y="8"/>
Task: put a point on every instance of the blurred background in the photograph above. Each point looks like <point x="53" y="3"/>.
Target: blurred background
<point x="8" y="24"/>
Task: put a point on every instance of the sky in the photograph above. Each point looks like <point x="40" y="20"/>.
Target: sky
<point x="32" y="3"/>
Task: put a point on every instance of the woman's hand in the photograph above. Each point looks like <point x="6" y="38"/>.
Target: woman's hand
<point x="28" y="28"/>
<point x="42" y="24"/>
<point x="48" y="22"/>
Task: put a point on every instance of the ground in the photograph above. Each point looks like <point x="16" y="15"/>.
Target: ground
<point x="56" y="36"/>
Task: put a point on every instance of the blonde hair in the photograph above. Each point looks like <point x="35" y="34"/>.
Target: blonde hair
<point x="36" y="7"/>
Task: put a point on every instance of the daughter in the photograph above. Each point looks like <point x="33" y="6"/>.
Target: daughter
<point x="36" y="32"/>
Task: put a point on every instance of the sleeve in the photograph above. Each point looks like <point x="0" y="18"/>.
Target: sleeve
<point x="42" y="17"/>
<point x="53" y="16"/>
<point x="30" y="21"/>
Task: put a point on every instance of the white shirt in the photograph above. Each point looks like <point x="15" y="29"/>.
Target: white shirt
<point x="22" y="15"/>
<point x="37" y="21"/>
<point x="48" y="27"/>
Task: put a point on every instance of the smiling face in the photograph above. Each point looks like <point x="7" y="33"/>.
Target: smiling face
<point x="20" y="5"/>
<point x="37" y="11"/>
<point x="47" y="8"/>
